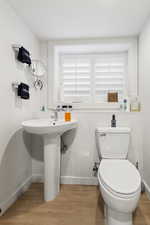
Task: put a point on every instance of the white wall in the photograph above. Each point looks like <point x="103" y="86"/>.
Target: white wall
<point x="77" y="162"/>
<point x="144" y="60"/>
<point x="15" y="151"/>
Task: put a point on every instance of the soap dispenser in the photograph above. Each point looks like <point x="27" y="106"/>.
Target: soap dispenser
<point x="113" y="121"/>
<point x="68" y="113"/>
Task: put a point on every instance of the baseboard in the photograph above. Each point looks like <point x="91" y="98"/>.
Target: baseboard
<point x="147" y="189"/>
<point x="37" y="178"/>
<point x="79" y="180"/>
<point x="20" y="190"/>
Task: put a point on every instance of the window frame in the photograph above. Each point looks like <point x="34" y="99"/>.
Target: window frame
<point x="91" y="47"/>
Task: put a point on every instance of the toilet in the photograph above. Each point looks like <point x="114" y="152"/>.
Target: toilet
<point x="119" y="180"/>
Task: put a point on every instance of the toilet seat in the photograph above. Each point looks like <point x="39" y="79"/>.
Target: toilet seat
<point x="120" y="177"/>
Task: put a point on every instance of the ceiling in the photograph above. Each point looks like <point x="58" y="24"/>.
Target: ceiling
<point x="59" y="19"/>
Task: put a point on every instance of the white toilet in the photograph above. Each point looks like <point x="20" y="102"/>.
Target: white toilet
<point x="119" y="180"/>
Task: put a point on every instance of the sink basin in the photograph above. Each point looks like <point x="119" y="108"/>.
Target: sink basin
<point x="51" y="132"/>
<point x="46" y="126"/>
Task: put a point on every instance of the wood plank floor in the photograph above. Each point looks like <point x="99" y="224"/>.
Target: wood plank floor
<point x="75" y="205"/>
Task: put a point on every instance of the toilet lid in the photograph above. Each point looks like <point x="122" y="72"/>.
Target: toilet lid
<point x="120" y="175"/>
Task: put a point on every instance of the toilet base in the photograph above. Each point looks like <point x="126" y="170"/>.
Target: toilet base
<point x="117" y="218"/>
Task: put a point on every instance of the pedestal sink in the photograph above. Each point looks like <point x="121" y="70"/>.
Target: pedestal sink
<point x="51" y="132"/>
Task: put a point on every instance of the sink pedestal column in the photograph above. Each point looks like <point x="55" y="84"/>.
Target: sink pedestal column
<point x="51" y="166"/>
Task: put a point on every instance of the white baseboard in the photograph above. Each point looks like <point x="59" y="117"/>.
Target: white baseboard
<point x="147" y="189"/>
<point x="79" y="180"/>
<point x="21" y="189"/>
<point x="37" y="178"/>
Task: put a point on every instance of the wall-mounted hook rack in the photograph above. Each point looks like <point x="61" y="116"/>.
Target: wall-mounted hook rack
<point x="15" y="84"/>
<point x="16" y="47"/>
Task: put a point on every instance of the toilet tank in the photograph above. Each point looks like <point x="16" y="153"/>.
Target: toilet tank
<point x="113" y="143"/>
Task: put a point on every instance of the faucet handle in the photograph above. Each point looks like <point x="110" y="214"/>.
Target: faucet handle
<point x="58" y="108"/>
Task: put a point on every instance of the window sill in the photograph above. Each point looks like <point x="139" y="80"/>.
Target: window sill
<point x="104" y="111"/>
<point x="102" y="106"/>
<point x="80" y="106"/>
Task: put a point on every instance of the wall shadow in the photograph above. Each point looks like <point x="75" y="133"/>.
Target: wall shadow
<point x="38" y="145"/>
<point x="37" y="148"/>
<point x="15" y="164"/>
<point x="68" y="138"/>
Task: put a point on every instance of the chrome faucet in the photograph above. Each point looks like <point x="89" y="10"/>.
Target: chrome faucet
<point x="55" y="115"/>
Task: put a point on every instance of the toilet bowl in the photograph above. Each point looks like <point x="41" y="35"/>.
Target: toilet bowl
<point x="120" y="186"/>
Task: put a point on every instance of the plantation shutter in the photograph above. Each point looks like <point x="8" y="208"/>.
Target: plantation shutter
<point x="75" y="78"/>
<point x="88" y="78"/>
<point x="110" y="75"/>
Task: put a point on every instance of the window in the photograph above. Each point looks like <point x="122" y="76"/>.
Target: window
<point x="86" y="79"/>
<point x="82" y="72"/>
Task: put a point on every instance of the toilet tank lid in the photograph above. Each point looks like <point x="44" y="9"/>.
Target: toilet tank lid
<point x="113" y="130"/>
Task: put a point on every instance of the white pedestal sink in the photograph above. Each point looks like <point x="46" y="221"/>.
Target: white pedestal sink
<point x="51" y="132"/>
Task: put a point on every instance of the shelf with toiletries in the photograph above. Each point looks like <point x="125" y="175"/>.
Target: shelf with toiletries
<point x="130" y="104"/>
<point x="112" y="102"/>
<point x="124" y="105"/>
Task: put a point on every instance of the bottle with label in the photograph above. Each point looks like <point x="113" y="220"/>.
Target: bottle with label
<point x="124" y="105"/>
<point x="113" y="121"/>
<point x="135" y="105"/>
<point x="68" y="113"/>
